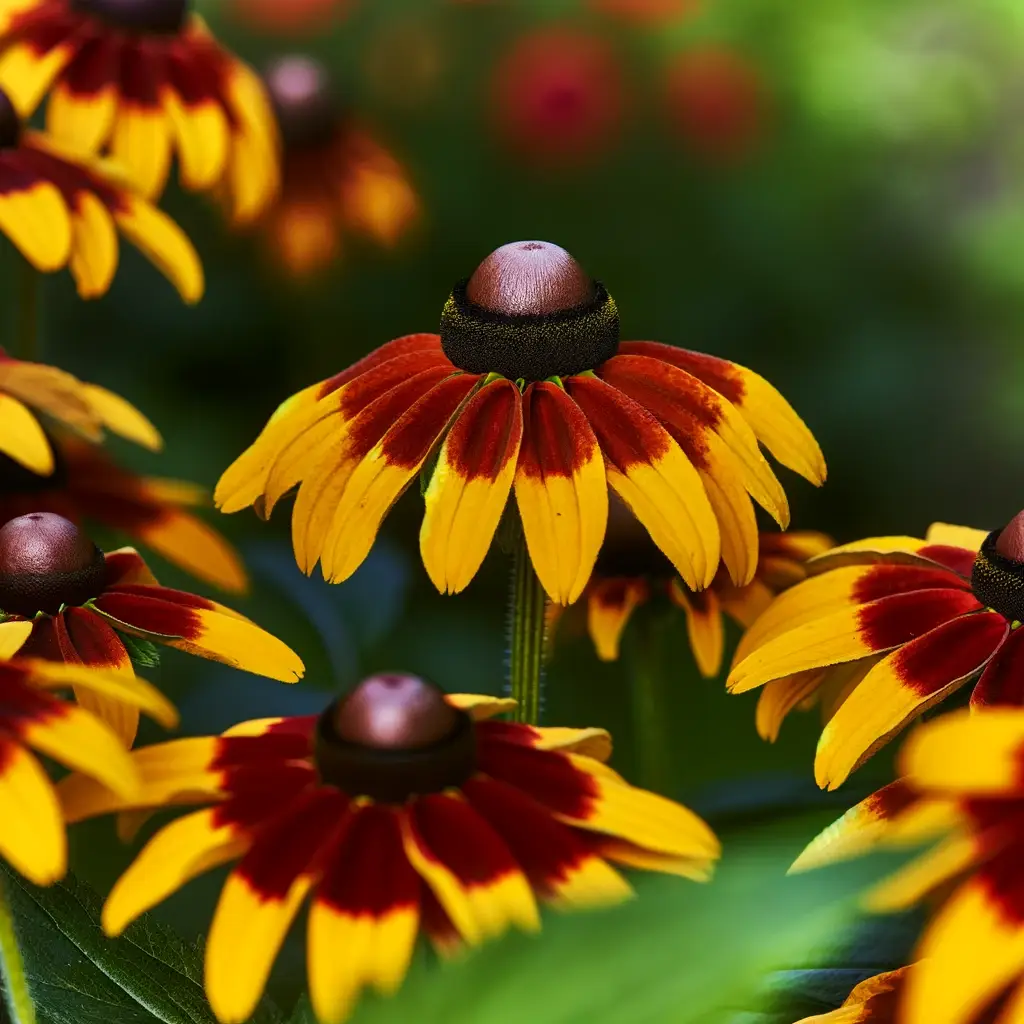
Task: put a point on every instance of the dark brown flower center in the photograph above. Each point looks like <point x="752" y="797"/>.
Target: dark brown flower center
<point x="997" y="577"/>
<point x="160" y="16"/>
<point x="304" y="100"/>
<point x="10" y="123"/>
<point x="392" y="737"/>
<point x="47" y="562"/>
<point x="529" y="312"/>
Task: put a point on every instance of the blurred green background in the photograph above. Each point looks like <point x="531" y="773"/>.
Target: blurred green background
<point x="841" y="209"/>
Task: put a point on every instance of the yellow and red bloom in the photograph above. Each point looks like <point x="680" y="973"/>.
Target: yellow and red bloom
<point x="143" y="80"/>
<point x="86" y="485"/>
<point x="61" y="209"/>
<point x="398" y="810"/>
<point x="335" y="176"/>
<point x="878" y="1000"/>
<point x="557" y="97"/>
<point x="885" y="629"/>
<point x="528" y="387"/>
<point x="63" y="599"/>
<point x="30" y="390"/>
<point x="960" y="789"/>
<point x="631" y="571"/>
<point x="33" y="839"/>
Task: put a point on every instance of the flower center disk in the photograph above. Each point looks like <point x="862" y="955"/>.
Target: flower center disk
<point x="160" y="16"/>
<point x="392" y="737"/>
<point x="304" y="101"/>
<point x="997" y="577"/>
<point x="46" y="562"/>
<point x="529" y="312"/>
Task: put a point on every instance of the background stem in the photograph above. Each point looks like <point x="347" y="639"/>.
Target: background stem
<point x="12" y="967"/>
<point x="645" y="682"/>
<point x="527" y="629"/>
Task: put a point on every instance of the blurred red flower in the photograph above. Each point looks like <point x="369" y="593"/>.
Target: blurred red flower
<point x="557" y="96"/>
<point x="296" y="16"/>
<point x="649" y="12"/>
<point x="716" y="102"/>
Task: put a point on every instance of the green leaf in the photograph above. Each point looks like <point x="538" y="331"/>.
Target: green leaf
<point x="144" y="653"/>
<point x="79" y="976"/>
<point x="680" y="953"/>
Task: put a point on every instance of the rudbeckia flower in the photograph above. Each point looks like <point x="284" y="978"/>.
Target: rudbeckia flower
<point x="143" y="80"/>
<point x="631" y="571"/>
<point x="87" y="486"/>
<point x="528" y="386"/>
<point x="335" y="176"/>
<point x="879" y="1000"/>
<point x="885" y="629"/>
<point x="61" y="209"/>
<point x="397" y="810"/>
<point x="30" y="390"/>
<point x="32" y="839"/>
<point x="961" y="790"/>
<point x="557" y="96"/>
<point x="62" y="599"/>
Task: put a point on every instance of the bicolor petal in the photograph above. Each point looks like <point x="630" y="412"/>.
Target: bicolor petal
<point x="903" y="685"/>
<point x="704" y="626"/>
<point x="772" y="418"/>
<point x="385" y="472"/>
<point x="199" y="627"/>
<point x="469" y="868"/>
<point x="649" y="471"/>
<point x="852" y="633"/>
<point x="561" y="491"/>
<point x="470" y="484"/>
<point x="610" y="604"/>
<point x="367" y="904"/>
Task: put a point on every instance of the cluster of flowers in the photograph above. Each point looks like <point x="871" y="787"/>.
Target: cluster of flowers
<point x="635" y="467"/>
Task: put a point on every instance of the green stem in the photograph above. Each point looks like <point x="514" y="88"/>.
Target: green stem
<point x="27" y="326"/>
<point x="16" y="992"/>
<point x="644" y="668"/>
<point x="527" y="626"/>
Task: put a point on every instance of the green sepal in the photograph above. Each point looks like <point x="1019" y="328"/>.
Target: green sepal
<point x="144" y="653"/>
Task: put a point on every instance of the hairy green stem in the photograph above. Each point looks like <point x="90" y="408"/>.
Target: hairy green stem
<point x="527" y="628"/>
<point x="649" y="738"/>
<point x="27" y="326"/>
<point x="12" y="967"/>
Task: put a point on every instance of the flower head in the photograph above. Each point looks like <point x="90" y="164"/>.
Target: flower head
<point x="557" y="96"/>
<point x="885" y="629"/>
<point x="528" y="386"/>
<point x="62" y="209"/>
<point x="335" y="175"/>
<point x="961" y="791"/>
<point x="87" y="486"/>
<point x="30" y="390"/>
<point x="63" y="599"/>
<point x="143" y="80"/>
<point x="630" y="571"/>
<point x="32" y="839"/>
<point x="397" y="810"/>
